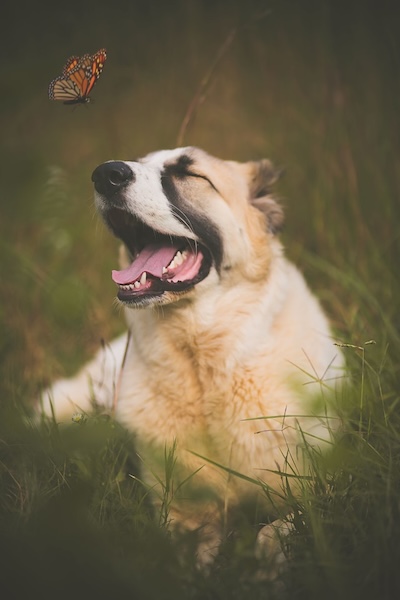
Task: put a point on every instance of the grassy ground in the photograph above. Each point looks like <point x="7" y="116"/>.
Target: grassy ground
<point x="315" y="87"/>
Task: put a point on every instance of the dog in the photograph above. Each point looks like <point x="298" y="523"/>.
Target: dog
<point x="229" y="355"/>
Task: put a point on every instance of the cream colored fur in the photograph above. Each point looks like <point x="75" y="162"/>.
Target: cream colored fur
<point x="248" y="341"/>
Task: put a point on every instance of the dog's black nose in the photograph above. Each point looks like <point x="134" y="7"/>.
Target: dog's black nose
<point x="110" y="177"/>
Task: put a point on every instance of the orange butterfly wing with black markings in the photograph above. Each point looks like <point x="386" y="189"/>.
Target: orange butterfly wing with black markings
<point x="71" y="63"/>
<point x="78" y="78"/>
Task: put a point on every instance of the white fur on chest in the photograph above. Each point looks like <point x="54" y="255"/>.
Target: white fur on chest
<point x="198" y="374"/>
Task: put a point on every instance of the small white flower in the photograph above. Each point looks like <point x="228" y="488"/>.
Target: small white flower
<point x="78" y="418"/>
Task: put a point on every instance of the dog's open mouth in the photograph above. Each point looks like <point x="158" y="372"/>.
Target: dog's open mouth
<point x="160" y="263"/>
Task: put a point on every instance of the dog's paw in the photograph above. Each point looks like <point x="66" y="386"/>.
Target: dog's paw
<point x="272" y="547"/>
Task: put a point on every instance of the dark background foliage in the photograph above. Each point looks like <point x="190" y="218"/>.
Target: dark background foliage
<point x="312" y="85"/>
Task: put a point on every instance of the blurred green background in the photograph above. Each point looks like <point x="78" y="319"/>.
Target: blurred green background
<point x="311" y="84"/>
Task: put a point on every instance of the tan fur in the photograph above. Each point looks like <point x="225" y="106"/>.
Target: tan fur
<point x="248" y="341"/>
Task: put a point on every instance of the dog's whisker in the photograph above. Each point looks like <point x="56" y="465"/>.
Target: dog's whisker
<point x="183" y="218"/>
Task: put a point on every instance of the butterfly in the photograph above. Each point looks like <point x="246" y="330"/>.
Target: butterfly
<point x="78" y="78"/>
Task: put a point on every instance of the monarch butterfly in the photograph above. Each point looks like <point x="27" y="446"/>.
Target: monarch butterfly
<point x="78" y="78"/>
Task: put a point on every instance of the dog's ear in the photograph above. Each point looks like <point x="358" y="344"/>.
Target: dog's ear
<point x="263" y="175"/>
<point x="272" y="210"/>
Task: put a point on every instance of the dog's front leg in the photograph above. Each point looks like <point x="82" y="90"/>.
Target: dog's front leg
<point x="96" y="385"/>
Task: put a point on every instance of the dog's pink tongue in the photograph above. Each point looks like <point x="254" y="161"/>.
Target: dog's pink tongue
<point x="152" y="259"/>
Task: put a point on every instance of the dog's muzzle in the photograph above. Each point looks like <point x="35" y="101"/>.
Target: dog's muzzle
<point x="110" y="177"/>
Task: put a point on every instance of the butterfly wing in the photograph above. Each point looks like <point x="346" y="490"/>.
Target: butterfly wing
<point x="93" y="67"/>
<point x="78" y="79"/>
<point x="71" y="63"/>
<point x="64" y="89"/>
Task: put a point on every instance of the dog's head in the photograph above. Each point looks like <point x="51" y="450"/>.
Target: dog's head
<point x="183" y="215"/>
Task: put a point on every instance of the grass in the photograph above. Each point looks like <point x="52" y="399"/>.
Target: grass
<point x="313" y="86"/>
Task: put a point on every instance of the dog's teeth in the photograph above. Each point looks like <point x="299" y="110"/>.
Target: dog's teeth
<point x="178" y="259"/>
<point x="137" y="284"/>
<point x="164" y="270"/>
<point x="143" y="278"/>
<point x="130" y="286"/>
